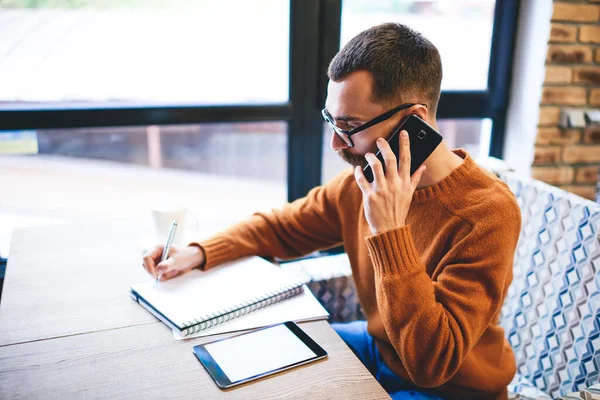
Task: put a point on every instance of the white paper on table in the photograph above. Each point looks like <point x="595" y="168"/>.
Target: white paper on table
<point x="299" y="308"/>
<point x="199" y="294"/>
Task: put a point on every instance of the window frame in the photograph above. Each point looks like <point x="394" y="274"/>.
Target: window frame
<point x="314" y="24"/>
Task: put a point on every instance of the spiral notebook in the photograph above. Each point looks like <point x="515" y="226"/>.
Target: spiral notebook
<point x="199" y="300"/>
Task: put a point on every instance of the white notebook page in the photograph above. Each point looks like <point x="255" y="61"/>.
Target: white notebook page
<point x="303" y="307"/>
<point x="198" y="293"/>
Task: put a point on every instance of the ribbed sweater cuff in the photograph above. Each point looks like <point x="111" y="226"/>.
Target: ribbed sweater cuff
<point x="217" y="250"/>
<point x="394" y="252"/>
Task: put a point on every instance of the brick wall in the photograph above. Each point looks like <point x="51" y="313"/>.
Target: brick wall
<point x="567" y="157"/>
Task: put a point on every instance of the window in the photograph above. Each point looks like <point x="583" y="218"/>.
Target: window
<point x="242" y="150"/>
<point x="122" y="51"/>
<point x="460" y="29"/>
<point x="475" y="40"/>
<point x="107" y="71"/>
<point x="221" y="172"/>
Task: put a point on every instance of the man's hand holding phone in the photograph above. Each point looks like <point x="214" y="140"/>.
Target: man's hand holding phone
<point x="387" y="199"/>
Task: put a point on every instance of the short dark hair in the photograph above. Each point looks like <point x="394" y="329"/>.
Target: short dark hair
<point x="401" y="60"/>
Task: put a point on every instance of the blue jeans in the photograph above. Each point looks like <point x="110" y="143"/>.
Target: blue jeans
<point x="362" y="344"/>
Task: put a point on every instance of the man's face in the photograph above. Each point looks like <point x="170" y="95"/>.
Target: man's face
<point x="349" y="103"/>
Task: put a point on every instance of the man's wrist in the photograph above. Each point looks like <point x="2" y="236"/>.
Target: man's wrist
<point x="198" y="254"/>
<point x="378" y="230"/>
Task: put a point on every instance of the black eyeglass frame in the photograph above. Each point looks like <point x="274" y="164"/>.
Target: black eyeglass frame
<point x="345" y="135"/>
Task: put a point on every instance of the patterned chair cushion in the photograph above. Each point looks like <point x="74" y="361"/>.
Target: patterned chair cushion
<point x="591" y="393"/>
<point x="552" y="312"/>
<point x="522" y="389"/>
<point x="330" y="280"/>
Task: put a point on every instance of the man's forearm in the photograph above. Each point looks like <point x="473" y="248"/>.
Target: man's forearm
<point x="432" y="326"/>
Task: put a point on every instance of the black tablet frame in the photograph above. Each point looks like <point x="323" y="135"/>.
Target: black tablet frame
<point x="221" y="379"/>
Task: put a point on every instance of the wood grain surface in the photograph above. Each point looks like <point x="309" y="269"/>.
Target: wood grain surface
<point x="145" y="362"/>
<point x="68" y="329"/>
<point x="71" y="279"/>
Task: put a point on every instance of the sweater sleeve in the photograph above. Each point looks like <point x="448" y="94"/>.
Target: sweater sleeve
<point x="434" y="324"/>
<point x="299" y="228"/>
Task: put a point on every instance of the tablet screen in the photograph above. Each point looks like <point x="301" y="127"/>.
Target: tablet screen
<point x="257" y="353"/>
<point x="244" y="356"/>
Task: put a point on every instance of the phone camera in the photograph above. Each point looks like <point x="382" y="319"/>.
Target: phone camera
<point x="422" y="134"/>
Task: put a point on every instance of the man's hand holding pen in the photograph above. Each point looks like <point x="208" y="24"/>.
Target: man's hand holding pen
<point x="181" y="260"/>
<point x="174" y="261"/>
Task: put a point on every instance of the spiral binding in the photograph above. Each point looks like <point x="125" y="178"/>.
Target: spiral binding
<point x="226" y="314"/>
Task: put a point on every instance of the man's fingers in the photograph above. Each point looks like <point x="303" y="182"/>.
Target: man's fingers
<point x="169" y="275"/>
<point x="150" y="259"/>
<point x="166" y="270"/>
<point x="362" y="182"/>
<point x="165" y="267"/>
<point x="404" y="170"/>
<point x="391" y="164"/>
<point x="417" y="176"/>
<point x="376" y="167"/>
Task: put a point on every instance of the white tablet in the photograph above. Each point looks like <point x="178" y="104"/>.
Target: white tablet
<point x="253" y="355"/>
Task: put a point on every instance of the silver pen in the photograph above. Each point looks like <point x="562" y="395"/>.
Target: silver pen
<point x="167" y="249"/>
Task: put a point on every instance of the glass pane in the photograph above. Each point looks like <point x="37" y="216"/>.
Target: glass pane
<point x="472" y="135"/>
<point x="254" y="150"/>
<point x="460" y="29"/>
<point x="222" y="173"/>
<point x="182" y="51"/>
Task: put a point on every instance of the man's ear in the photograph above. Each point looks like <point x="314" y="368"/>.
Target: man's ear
<point x="420" y="111"/>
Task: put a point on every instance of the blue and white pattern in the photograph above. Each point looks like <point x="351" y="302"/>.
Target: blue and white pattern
<point x="330" y="280"/>
<point x="521" y="388"/>
<point x="552" y="311"/>
<point x="591" y="393"/>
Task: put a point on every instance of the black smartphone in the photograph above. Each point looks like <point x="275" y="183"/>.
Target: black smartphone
<point x="423" y="141"/>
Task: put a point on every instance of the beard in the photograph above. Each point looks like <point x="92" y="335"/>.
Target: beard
<point x="352" y="159"/>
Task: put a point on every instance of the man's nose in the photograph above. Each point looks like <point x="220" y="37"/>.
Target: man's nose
<point x="337" y="143"/>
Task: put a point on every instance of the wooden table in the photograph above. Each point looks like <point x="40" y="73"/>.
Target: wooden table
<point x="68" y="329"/>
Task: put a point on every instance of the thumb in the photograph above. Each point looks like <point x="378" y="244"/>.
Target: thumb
<point x="165" y="266"/>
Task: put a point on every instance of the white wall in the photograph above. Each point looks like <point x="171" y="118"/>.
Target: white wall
<point x="528" y="77"/>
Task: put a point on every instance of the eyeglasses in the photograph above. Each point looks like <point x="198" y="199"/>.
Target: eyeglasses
<point x="345" y="135"/>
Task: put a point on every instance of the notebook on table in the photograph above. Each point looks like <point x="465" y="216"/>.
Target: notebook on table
<point x="301" y="308"/>
<point x="199" y="300"/>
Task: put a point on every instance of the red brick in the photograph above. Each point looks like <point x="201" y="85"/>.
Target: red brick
<point x="564" y="95"/>
<point x="575" y="12"/>
<point x="569" y="54"/>
<point x="549" y="116"/>
<point x="588" y="174"/>
<point x="558" y="74"/>
<point x="546" y="155"/>
<point x="557" y="136"/>
<point x="563" y="33"/>
<point x="592" y="135"/>
<point x="587" y="75"/>
<point x="585" y="191"/>
<point x="581" y="154"/>
<point x="595" y="97"/>
<point x="589" y="33"/>
<point x="553" y="175"/>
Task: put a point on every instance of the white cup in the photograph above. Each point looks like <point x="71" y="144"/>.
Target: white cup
<point x="163" y="218"/>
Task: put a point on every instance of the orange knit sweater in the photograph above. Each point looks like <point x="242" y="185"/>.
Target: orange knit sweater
<point x="431" y="290"/>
